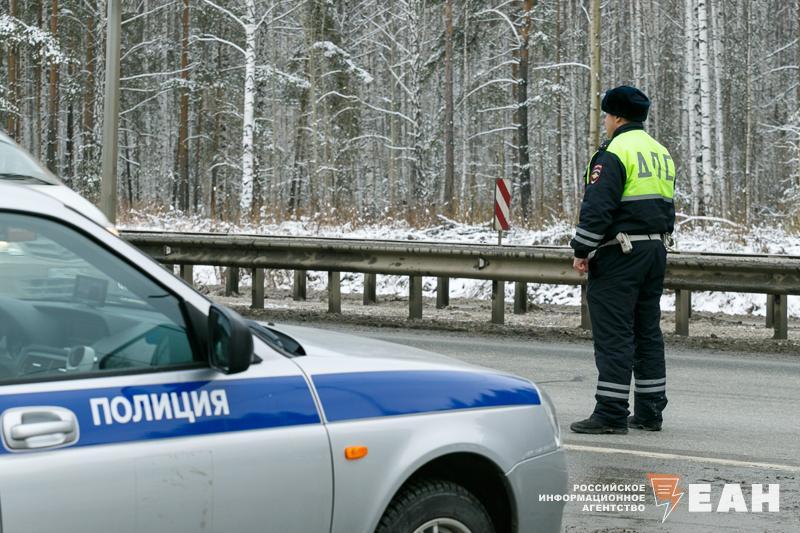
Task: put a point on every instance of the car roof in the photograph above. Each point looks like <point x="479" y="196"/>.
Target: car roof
<point x="16" y="198"/>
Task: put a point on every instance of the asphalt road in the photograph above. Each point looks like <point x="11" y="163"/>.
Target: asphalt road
<point x="732" y="418"/>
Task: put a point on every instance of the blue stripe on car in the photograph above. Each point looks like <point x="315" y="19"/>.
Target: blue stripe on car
<point x="258" y="403"/>
<point x="262" y="403"/>
<point x="379" y="394"/>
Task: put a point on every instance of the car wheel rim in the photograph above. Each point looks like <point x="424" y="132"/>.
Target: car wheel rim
<point x="443" y="525"/>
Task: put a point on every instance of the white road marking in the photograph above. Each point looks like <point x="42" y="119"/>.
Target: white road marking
<point x="694" y="458"/>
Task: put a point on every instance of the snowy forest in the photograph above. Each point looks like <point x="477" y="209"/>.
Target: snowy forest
<point x="361" y="110"/>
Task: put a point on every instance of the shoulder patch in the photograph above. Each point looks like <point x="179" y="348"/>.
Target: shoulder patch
<point x="594" y="177"/>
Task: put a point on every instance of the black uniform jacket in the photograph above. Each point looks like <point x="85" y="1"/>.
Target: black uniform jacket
<point x="604" y="214"/>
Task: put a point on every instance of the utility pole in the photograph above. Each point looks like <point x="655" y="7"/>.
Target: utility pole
<point x="108" y="183"/>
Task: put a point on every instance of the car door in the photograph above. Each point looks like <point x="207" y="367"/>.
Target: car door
<point x="112" y="419"/>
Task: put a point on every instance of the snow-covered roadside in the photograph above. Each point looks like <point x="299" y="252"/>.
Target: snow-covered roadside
<point x="715" y="238"/>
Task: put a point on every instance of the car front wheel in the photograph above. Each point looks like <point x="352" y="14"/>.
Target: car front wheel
<point x="435" y="506"/>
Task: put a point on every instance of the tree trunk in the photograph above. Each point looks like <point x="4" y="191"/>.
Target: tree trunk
<point x="12" y="120"/>
<point x="215" y="144"/>
<point x="748" y="152"/>
<point x="69" y="148"/>
<point x="465" y="88"/>
<point x="52" y="119"/>
<point x="719" y="76"/>
<point x="248" y="126"/>
<point x="88" y="89"/>
<point x="38" y="68"/>
<point x="635" y="49"/>
<point x="183" y="125"/>
<point x="563" y="185"/>
<point x="705" y="107"/>
<point x="690" y="98"/>
<point x="300" y="168"/>
<point x="523" y="150"/>
<point x="449" y="165"/>
<point x="797" y="100"/>
<point x="594" y="90"/>
<point x="396" y="192"/>
<point x="418" y="174"/>
<point x="128" y="173"/>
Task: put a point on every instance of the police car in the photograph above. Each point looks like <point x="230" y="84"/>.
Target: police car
<point x="131" y="403"/>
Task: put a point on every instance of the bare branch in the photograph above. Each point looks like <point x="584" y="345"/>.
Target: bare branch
<point x="146" y="13"/>
<point x="226" y="12"/>
<point x="214" y="38"/>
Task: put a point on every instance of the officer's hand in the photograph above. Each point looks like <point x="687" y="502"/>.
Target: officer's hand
<point x="580" y="265"/>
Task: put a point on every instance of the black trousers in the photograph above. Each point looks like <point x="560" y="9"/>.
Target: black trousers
<point x="624" y="296"/>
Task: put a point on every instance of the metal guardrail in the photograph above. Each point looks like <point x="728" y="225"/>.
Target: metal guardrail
<point x="775" y="276"/>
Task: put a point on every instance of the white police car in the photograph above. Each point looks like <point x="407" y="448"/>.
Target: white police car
<point x="129" y="402"/>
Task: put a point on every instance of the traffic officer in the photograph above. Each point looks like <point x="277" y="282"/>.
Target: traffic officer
<point x="627" y="216"/>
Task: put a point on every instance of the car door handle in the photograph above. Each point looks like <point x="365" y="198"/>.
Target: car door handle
<point x="38" y="429"/>
<point x="33" y="428"/>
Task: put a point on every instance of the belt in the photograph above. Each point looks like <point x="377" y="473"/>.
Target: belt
<point x="634" y="238"/>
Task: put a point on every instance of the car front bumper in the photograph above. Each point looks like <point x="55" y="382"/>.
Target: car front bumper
<point x="541" y="476"/>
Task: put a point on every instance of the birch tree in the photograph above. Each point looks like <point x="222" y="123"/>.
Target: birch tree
<point x="248" y="22"/>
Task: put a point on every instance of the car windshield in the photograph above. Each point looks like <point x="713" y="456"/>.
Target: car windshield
<point x="16" y="164"/>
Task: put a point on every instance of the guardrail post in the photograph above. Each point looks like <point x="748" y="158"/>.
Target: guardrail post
<point x="683" y="307"/>
<point x="334" y="292"/>
<point x="415" y="297"/>
<point x="370" y="288"/>
<point x="187" y="274"/>
<point x="442" y="292"/>
<point x="258" y="288"/>
<point x="770" y="310"/>
<point x="498" y="301"/>
<point x="299" y="286"/>
<point x="520" y="297"/>
<point x="586" y="320"/>
<point x="232" y="281"/>
<point x="781" y="317"/>
<point x="689" y="297"/>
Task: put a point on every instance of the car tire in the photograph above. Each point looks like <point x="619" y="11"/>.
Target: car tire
<point x="421" y="505"/>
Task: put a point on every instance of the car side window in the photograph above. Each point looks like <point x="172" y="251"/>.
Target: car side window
<point x="70" y="306"/>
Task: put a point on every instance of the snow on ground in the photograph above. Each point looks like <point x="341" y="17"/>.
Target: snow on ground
<point x="710" y="238"/>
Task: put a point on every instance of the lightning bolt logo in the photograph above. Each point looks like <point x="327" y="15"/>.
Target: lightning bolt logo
<point x="665" y="491"/>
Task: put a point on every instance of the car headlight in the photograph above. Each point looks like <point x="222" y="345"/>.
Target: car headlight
<point x="550" y="409"/>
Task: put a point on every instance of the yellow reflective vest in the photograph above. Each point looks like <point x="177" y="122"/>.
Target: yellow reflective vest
<point x="649" y="169"/>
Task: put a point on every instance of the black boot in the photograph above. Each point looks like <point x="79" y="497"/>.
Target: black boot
<point x="646" y="425"/>
<point x="594" y="426"/>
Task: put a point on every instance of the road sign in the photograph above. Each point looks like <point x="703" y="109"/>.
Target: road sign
<point x="502" y="202"/>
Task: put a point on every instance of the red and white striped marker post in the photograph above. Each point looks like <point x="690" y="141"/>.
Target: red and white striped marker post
<point x="502" y="203"/>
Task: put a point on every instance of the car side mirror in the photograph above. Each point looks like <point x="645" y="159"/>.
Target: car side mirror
<point x="230" y="341"/>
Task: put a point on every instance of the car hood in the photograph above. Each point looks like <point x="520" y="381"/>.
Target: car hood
<point x="358" y="378"/>
<point x="344" y="352"/>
